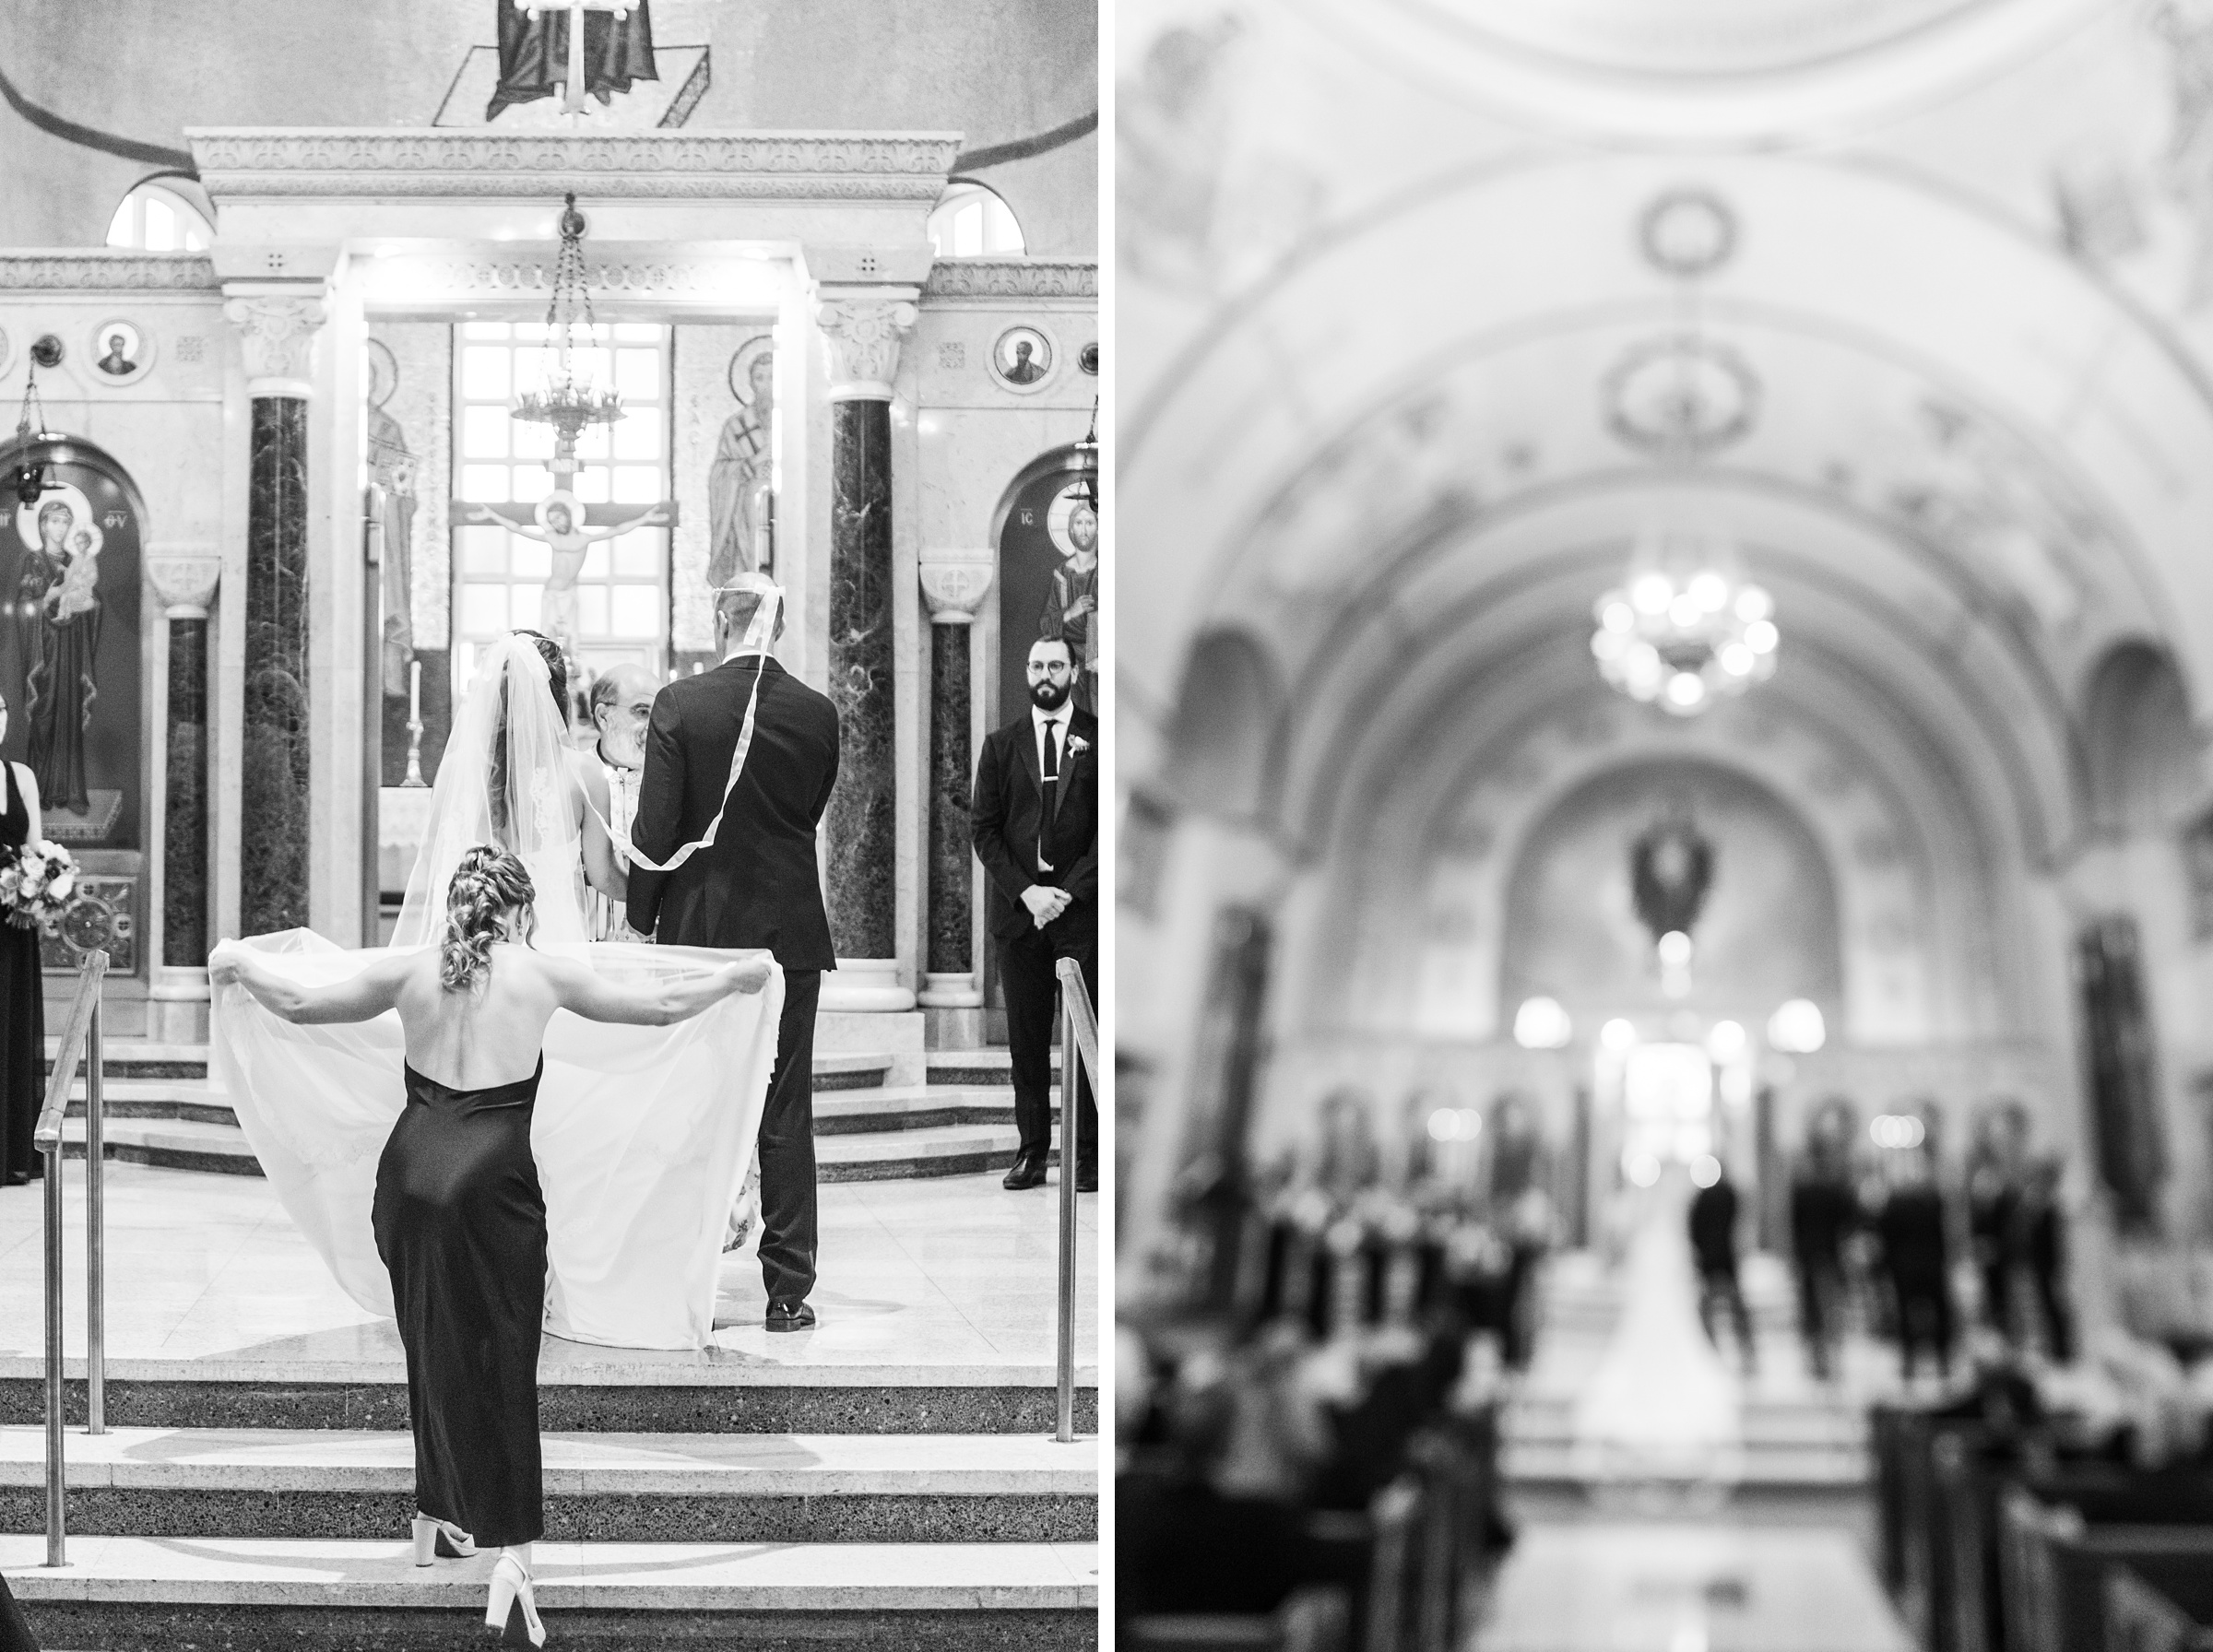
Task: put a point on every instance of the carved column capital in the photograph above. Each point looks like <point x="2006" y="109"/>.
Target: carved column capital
<point x="955" y="582"/>
<point x="865" y="327"/>
<point x="277" y="331"/>
<point x="184" y="578"/>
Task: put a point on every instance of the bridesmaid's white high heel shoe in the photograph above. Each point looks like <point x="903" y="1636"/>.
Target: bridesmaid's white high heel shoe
<point x="514" y="1610"/>
<point x="440" y="1539"/>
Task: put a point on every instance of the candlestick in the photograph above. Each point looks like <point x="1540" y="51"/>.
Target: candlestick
<point x="414" y="725"/>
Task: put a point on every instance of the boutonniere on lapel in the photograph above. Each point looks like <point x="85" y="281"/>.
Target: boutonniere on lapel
<point x="1077" y="745"/>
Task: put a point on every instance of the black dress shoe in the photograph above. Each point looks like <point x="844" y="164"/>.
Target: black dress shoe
<point x="789" y="1317"/>
<point x="1027" y="1170"/>
<point x="1087" y="1179"/>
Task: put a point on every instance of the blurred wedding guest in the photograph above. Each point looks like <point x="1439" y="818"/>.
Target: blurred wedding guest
<point x="22" y="988"/>
<point x="1522" y="1211"/>
<point x="1825" y="1210"/>
<point x="1713" y="1211"/>
<point x="15" y="1633"/>
<point x="2043" y="1246"/>
<point x="1347" y="1162"/>
<point x="1916" y="1257"/>
<point x="1996" y="1165"/>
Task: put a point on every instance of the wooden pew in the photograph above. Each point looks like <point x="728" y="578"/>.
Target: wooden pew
<point x="2057" y="1562"/>
<point x="1312" y="1619"/>
<point x="2153" y="1606"/>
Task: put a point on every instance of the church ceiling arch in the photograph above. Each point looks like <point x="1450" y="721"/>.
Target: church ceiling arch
<point x="1711" y="71"/>
<point x="2032" y="369"/>
<point x="1477" y="631"/>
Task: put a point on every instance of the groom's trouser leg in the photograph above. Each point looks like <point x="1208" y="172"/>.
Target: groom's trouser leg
<point x="1026" y="974"/>
<point x="787" y="1223"/>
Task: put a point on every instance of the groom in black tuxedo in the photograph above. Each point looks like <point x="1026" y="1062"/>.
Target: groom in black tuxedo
<point x="1036" y="823"/>
<point x="757" y="885"/>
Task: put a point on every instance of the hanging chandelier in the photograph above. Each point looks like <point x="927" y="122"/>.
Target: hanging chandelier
<point x="570" y="401"/>
<point x="1683" y="631"/>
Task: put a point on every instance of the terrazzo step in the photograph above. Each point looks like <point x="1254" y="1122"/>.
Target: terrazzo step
<point x="909" y="1108"/>
<point x="126" y="1594"/>
<point x="991" y="1065"/>
<point x="582" y="1390"/>
<point x="598" y="1488"/>
<point x="930" y="1150"/>
<point x="866" y="1135"/>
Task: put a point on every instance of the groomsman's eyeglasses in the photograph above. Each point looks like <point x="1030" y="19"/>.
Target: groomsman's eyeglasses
<point x="1049" y="668"/>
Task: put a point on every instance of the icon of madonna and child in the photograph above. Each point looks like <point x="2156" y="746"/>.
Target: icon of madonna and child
<point x="56" y="612"/>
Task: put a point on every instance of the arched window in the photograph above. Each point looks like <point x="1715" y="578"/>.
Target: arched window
<point x="156" y="220"/>
<point x="969" y="221"/>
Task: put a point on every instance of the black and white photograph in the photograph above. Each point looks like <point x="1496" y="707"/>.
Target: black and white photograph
<point x="553" y="796"/>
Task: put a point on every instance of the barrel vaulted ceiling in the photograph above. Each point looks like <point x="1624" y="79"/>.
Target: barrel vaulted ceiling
<point x="1388" y="338"/>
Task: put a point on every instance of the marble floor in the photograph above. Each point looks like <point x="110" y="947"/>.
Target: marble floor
<point x="1683" y="1586"/>
<point x="950" y="1280"/>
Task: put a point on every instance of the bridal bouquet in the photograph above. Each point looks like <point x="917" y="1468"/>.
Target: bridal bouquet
<point x="35" y="888"/>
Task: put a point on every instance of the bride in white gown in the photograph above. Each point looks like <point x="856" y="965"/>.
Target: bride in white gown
<point x="640" y="1134"/>
<point x="1663" y="1409"/>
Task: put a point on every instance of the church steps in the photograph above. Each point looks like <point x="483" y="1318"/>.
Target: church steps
<point x="600" y="1488"/>
<point x="127" y="1594"/>
<point x="575" y="1397"/>
<point x="863" y="1133"/>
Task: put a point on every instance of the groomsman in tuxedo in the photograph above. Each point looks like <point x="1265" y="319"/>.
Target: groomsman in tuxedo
<point x="1036" y="820"/>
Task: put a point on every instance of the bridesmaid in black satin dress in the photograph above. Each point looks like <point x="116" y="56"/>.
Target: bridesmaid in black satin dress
<point x="460" y="1221"/>
<point x="22" y="992"/>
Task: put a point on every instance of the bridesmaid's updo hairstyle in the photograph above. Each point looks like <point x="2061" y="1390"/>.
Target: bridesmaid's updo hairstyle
<point x="488" y="884"/>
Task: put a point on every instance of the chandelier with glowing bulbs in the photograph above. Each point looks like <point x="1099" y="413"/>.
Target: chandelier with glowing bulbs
<point x="1683" y="631"/>
<point x="570" y="401"/>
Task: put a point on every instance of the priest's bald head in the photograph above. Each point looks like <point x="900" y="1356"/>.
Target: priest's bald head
<point x="737" y="606"/>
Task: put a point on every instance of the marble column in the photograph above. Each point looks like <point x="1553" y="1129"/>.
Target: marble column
<point x="184" y="583"/>
<point x="953" y="583"/>
<point x="278" y="332"/>
<point x="863" y="328"/>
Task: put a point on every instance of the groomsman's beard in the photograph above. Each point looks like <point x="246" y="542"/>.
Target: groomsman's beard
<point x="1050" y="696"/>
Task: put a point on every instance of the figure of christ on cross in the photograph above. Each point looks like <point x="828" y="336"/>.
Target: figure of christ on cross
<point x="561" y="521"/>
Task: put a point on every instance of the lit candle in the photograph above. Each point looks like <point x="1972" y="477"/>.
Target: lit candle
<point x="414" y="690"/>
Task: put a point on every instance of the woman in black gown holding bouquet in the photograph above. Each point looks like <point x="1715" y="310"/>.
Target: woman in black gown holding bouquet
<point x="460" y="1221"/>
<point x="22" y="1004"/>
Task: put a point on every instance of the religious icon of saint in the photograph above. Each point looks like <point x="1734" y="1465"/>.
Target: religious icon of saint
<point x="741" y="506"/>
<point x="1022" y="356"/>
<point x="392" y="468"/>
<point x="1074" y="597"/>
<point x="57" y="619"/>
<point x="117" y="362"/>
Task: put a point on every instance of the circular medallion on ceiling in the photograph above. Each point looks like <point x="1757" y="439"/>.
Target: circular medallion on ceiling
<point x="1682" y="396"/>
<point x="1706" y="70"/>
<point x="1688" y="232"/>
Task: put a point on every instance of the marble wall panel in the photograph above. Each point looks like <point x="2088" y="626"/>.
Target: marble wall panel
<point x="185" y="910"/>
<point x="274" y="838"/>
<point x="861" y="826"/>
<point x="952" y="899"/>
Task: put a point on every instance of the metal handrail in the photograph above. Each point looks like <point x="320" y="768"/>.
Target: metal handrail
<point x="80" y="1037"/>
<point x="1079" y="1053"/>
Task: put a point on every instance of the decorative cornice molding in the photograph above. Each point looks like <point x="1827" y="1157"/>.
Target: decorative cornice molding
<point x="536" y="275"/>
<point x="98" y="270"/>
<point x="1012" y="278"/>
<point x="838" y="166"/>
<point x="278" y="332"/>
<point x="865" y="327"/>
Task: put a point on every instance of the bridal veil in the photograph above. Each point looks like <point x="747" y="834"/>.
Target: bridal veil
<point x="640" y="1134"/>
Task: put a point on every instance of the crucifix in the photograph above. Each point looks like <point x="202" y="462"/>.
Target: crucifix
<point x="571" y="101"/>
